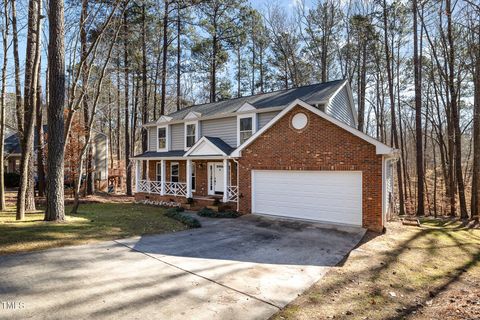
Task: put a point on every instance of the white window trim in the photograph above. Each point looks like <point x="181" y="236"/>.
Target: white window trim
<point x="171" y="165"/>
<point x="157" y="172"/>
<point x="167" y="142"/>
<point x="197" y="133"/>
<point x="254" y="124"/>
<point x="194" y="169"/>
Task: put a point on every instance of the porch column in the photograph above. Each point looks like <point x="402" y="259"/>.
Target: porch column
<point x="137" y="175"/>
<point x="189" y="178"/>
<point x="162" y="173"/>
<point x="147" y="176"/>
<point x="226" y="173"/>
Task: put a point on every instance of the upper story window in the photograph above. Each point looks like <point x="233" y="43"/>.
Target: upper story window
<point x="247" y="126"/>
<point x="162" y="136"/>
<point x="191" y="134"/>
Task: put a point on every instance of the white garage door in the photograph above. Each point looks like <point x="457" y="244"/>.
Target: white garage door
<point x="329" y="196"/>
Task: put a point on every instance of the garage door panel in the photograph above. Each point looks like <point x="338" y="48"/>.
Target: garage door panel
<point x="330" y="196"/>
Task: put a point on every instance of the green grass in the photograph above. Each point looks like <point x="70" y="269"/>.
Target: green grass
<point x="94" y="222"/>
<point x="414" y="263"/>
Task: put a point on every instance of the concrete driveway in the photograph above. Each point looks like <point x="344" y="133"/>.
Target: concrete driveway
<point x="245" y="268"/>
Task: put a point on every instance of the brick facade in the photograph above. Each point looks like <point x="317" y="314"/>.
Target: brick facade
<point x="321" y="145"/>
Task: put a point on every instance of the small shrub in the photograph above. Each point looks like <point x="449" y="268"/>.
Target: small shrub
<point x="206" y="212"/>
<point x="177" y="214"/>
<point x="216" y="201"/>
<point x="12" y="180"/>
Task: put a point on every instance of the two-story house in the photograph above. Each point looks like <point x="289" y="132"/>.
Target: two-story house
<point x="292" y="153"/>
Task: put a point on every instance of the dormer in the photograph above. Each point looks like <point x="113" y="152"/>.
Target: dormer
<point x="192" y="115"/>
<point x="246" y="107"/>
<point x="164" y="119"/>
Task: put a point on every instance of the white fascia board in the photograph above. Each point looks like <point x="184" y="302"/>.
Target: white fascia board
<point x="380" y="147"/>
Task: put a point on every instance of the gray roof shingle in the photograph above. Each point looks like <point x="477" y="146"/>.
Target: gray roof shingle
<point x="311" y="94"/>
<point x="220" y="144"/>
<point x="154" y="154"/>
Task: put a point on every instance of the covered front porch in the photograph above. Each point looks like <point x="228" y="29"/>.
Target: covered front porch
<point x="195" y="179"/>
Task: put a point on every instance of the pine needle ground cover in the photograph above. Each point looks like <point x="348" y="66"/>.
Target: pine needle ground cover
<point x="407" y="273"/>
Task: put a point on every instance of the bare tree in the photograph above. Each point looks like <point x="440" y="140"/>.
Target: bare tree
<point x="5" y="31"/>
<point x="30" y="99"/>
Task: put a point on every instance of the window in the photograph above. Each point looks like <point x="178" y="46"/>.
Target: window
<point x="159" y="171"/>
<point x="174" y="169"/>
<point x="162" y="138"/>
<point x="246" y="129"/>
<point x="193" y="176"/>
<point x="190" y="134"/>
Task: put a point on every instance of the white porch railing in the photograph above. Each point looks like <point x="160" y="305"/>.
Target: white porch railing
<point x="232" y="193"/>
<point x="171" y="188"/>
<point x="143" y="186"/>
<point x="176" y="189"/>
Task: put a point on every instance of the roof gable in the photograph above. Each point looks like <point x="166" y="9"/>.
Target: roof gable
<point x="246" y="107"/>
<point x="164" y="119"/>
<point x="209" y="146"/>
<point x="381" y="148"/>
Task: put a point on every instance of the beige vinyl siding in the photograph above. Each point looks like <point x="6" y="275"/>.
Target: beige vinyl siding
<point x="265" y="117"/>
<point x="340" y="109"/>
<point x="223" y="128"/>
<point x="176" y="136"/>
<point x="101" y="157"/>
<point x="152" y="139"/>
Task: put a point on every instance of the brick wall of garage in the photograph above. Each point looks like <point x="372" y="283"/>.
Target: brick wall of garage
<point x="320" y="146"/>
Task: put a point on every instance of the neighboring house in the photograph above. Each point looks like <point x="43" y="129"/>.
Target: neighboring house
<point x="292" y="153"/>
<point x="13" y="154"/>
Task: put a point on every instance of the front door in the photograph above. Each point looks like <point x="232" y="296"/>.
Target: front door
<point x="218" y="178"/>
<point x="215" y="178"/>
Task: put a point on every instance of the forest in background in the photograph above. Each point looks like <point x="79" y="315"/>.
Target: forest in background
<point x="414" y="67"/>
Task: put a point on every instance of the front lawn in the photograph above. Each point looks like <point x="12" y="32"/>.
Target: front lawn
<point x="409" y="272"/>
<point x="94" y="222"/>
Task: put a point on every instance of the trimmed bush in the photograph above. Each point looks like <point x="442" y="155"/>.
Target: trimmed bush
<point x="177" y="214"/>
<point x="12" y="180"/>
<point x="206" y="212"/>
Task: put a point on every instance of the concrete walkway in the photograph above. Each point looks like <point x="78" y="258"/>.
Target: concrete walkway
<point x="245" y="268"/>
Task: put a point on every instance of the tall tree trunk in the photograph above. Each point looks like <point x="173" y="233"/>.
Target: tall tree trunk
<point x="164" y="59"/>
<point x="30" y="100"/>
<point x="455" y="113"/>
<point x="392" y="107"/>
<point x="39" y="135"/>
<point x="213" y="71"/>
<point x="56" y="81"/>
<point x="90" y="183"/>
<point x="16" y="59"/>
<point x="362" y="85"/>
<point x="475" y="206"/>
<point x="179" y="57"/>
<point x="119" y="151"/>
<point x="144" y="81"/>
<point x="128" y="168"/>
<point x="418" y="117"/>
<point x="3" y="102"/>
